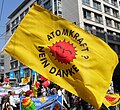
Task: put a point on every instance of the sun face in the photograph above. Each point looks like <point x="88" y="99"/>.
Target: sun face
<point x="63" y="51"/>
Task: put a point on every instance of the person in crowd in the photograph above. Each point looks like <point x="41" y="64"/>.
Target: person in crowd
<point x="12" y="100"/>
<point x="8" y="96"/>
<point x="43" y="91"/>
<point x="61" y="91"/>
<point x="53" y="91"/>
<point x="3" y="102"/>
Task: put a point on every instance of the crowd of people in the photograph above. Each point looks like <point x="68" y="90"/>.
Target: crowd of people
<point x="9" y="102"/>
<point x="70" y="101"/>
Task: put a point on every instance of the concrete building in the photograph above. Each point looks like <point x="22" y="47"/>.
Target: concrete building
<point x="14" y="70"/>
<point x="1" y="67"/>
<point x="99" y="17"/>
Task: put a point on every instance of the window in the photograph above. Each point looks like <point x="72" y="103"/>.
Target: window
<point x="47" y="5"/>
<point x="13" y="30"/>
<point x="88" y="27"/>
<point x="117" y="24"/>
<point x="21" y="16"/>
<point x="26" y="72"/>
<point x="118" y="34"/>
<point x="12" y="65"/>
<point x="17" y="20"/>
<point x="7" y="27"/>
<point x="2" y="56"/>
<point x="16" y="74"/>
<point x="114" y="2"/>
<point x="1" y="60"/>
<point x="96" y="5"/>
<point x="1" y="64"/>
<point x="87" y="14"/>
<point x="13" y="23"/>
<point x="55" y="5"/>
<point x="86" y="2"/>
<point x="59" y="8"/>
<point x="98" y="18"/>
<point x="21" y="64"/>
<point x="106" y="1"/>
<point x="107" y="9"/>
<point x="16" y="64"/>
<point x="108" y="22"/>
<point x="39" y="1"/>
<point x="109" y="32"/>
<point x="26" y="11"/>
<point x="115" y="13"/>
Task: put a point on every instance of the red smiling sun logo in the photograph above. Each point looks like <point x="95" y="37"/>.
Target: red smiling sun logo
<point x="64" y="52"/>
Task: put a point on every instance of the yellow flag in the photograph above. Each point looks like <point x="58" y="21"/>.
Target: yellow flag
<point x="64" y="54"/>
<point x="111" y="100"/>
<point x="25" y="80"/>
<point x="35" y="88"/>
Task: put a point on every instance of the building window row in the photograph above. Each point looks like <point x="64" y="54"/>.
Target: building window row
<point x="112" y="23"/>
<point x="96" y="18"/>
<point x="111" y="11"/>
<point x="86" y="2"/>
<point x="96" y="5"/>
<point x="89" y="28"/>
<point x="113" y="2"/>
<point x="16" y="21"/>
<point x="58" y="7"/>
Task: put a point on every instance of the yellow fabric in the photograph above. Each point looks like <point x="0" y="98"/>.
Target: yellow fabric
<point x="64" y="54"/>
<point x="35" y="89"/>
<point x="111" y="100"/>
<point x="25" y="80"/>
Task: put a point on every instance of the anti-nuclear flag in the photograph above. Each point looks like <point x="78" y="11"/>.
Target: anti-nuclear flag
<point x="25" y="80"/>
<point x="111" y="100"/>
<point x="64" y="54"/>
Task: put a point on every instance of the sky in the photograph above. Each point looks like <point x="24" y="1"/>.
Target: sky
<point x="8" y="7"/>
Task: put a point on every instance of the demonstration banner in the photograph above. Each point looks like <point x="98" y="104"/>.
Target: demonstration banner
<point x="4" y="91"/>
<point x="49" y="102"/>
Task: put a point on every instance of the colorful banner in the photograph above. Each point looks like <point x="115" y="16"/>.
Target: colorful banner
<point x="49" y="102"/>
<point x="4" y="91"/>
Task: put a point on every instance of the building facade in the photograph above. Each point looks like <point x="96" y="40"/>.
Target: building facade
<point x="14" y="70"/>
<point x="1" y="67"/>
<point x="99" y="17"/>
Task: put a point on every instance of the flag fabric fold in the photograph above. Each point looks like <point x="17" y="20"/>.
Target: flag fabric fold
<point x="65" y="54"/>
